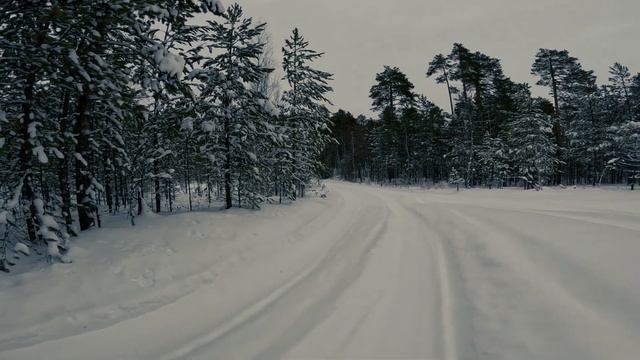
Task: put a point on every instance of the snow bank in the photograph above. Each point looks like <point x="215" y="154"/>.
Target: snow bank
<point x="121" y="272"/>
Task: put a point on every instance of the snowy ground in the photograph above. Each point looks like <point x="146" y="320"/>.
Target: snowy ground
<point x="367" y="273"/>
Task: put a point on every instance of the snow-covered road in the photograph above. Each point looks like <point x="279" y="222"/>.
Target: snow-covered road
<point x="369" y="273"/>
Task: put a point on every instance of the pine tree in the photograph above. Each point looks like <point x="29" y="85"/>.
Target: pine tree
<point x="442" y="66"/>
<point x="392" y="97"/>
<point x="621" y="80"/>
<point x="304" y="110"/>
<point x="455" y="178"/>
<point x="231" y="111"/>
<point x="625" y="129"/>
<point x="532" y="147"/>
<point x="430" y="140"/>
<point x="493" y="159"/>
<point x="24" y="40"/>
<point x="481" y="107"/>
<point x="627" y="138"/>
<point x="554" y="67"/>
<point x="392" y="92"/>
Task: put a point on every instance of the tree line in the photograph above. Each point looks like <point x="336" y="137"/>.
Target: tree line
<point x="495" y="132"/>
<point x="107" y="104"/>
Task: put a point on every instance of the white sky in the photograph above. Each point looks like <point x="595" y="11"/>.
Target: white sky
<point x="360" y="36"/>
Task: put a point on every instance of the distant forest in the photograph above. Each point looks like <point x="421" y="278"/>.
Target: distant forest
<point x="494" y="133"/>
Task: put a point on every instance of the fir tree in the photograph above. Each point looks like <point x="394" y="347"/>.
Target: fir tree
<point x="532" y="147"/>
<point x="230" y="110"/>
<point x="304" y="110"/>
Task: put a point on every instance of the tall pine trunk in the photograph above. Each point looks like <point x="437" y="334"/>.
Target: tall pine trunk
<point x="157" y="188"/>
<point x="188" y="173"/>
<point x="446" y="78"/>
<point x="227" y="160"/>
<point x="63" y="165"/>
<point x="83" y="148"/>
<point x="107" y="186"/>
<point x="26" y="164"/>
<point x="156" y="166"/>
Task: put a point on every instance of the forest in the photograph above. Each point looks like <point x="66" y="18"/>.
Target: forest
<point x="116" y="106"/>
<point x="494" y="133"/>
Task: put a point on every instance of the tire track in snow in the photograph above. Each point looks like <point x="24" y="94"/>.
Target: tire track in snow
<point x="564" y="270"/>
<point x="393" y="309"/>
<point x="569" y="215"/>
<point x="283" y="298"/>
<point x="573" y="297"/>
<point x="454" y="303"/>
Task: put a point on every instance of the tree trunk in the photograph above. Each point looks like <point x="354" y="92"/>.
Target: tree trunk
<point x="208" y="189"/>
<point x="188" y="174"/>
<point x="107" y="184"/>
<point x="446" y="78"/>
<point x="124" y="189"/>
<point x="26" y="164"/>
<point x="83" y="147"/>
<point x="116" y="190"/>
<point x="554" y="86"/>
<point x="227" y="163"/>
<point x="139" y="201"/>
<point x="169" y="194"/>
<point x="157" y="190"/>
<point x="63" y="165"/>
<point x="239" y="194"/>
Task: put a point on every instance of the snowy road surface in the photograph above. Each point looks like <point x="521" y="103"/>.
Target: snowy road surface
<point x="369" y="273"/>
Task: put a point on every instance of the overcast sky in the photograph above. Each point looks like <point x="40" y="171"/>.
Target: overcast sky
<point x="360" y="36"/>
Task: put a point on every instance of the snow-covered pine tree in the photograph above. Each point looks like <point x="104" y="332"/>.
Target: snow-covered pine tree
<point x="627" y="138"/>
<point x="493" y="159"/>
<point x="531" y="142"/>
<point x="625" y="132"/>
<point x="429" y="139"/>
<point x="229" y="107"/>
<point x="583" y="128"/>
<point x="104" y="42"/>
<point x="304" y="110"/>
<point x="480" y="104"/>
<point x="455" y="178"/>
<point x="572" y="89"/>
<point x="276" y="142"/>
<point x="170" y="52"/>
<point x="462" y="149"/>
<point x="27" y="62"/>
<point x="25" y="55"/>
<point x="169" y="49"/>
<point x="392" y="96"/>
<point x="621" y="82"/>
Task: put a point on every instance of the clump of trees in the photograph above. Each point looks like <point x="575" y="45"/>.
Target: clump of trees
<point x="115" y="106"/>
<point x="495" y="133"/>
